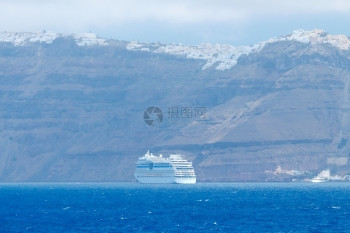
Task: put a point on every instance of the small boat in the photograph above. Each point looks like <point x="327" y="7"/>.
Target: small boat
<point x="318" y="179"/>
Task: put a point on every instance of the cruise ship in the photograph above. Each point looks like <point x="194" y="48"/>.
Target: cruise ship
<point x="159" y="170"/>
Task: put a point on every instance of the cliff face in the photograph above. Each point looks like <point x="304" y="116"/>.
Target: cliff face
<point x="72" y="108"/>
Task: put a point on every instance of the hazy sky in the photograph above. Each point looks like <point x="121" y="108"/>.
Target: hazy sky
<point x="188" y="21"/>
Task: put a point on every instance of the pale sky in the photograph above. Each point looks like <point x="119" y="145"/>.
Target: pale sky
<point x="177" y="21"/>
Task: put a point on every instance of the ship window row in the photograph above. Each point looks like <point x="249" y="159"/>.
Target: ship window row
<point x="155" y="169"/>
<point x="154" y="165"/>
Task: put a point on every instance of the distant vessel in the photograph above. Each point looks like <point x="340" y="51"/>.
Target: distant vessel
<point x="159" y="170"/>
<point x="318" y="179"/>
<point x="322" y="177"/>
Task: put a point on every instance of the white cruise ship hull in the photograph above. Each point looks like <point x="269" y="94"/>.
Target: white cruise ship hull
<point x="185" y="180"/>
<point x="155" y="180"/>
<point x="165" y="180"/>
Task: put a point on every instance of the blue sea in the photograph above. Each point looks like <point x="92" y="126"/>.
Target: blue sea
<point x="203" y="207"/>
